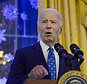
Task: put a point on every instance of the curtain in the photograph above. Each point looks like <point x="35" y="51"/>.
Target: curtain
<point x="74" y="14"/>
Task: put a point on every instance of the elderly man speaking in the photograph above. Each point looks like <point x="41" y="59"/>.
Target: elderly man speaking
<point x="40" y="61"/>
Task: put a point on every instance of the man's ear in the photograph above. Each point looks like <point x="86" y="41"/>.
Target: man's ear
<point x="60" y="30"/>
<point x="38" y="29"/>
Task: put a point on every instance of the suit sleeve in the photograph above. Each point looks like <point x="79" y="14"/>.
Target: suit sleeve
<point x="17" y="72"/>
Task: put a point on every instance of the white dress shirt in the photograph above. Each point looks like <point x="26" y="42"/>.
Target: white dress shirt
<point x="45" y="52"/>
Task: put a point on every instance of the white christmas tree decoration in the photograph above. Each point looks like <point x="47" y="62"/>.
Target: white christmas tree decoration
<point x="34" y="3"/>
<point x="2" y="38"/>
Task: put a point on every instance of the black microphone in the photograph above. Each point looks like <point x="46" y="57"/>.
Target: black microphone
<point x="77" y="52"/>
<point x="61" y="51"/>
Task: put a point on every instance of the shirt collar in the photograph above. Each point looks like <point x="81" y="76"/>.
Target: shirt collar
<point x="44" y="46"/>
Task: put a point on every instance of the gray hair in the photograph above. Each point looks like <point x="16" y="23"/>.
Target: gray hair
<point x="51" y="10"/>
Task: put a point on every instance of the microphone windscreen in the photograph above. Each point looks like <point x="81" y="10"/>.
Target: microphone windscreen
<point x="75" y="49"/>
<point x="57" y="47"/>
<point x="61" y="51"/>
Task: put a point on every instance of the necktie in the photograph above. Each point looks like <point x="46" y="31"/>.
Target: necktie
<point x="51" y="63"/>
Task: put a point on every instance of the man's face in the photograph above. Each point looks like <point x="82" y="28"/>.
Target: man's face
<point x="49" y="27"/>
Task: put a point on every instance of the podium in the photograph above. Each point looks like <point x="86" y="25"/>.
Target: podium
<point x="31" y="81"/>
<point x="71" y="77"/>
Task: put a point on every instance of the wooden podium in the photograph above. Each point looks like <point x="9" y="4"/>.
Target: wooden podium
<point x="41" y="81"/>
<point x="76" y="77"/>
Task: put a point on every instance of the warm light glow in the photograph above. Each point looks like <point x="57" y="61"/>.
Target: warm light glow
<point x="1" y="54"/>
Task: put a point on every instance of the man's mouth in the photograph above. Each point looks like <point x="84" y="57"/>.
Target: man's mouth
<point x="48" y="33"/>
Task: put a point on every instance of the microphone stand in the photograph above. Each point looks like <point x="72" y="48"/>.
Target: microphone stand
<point x="69" y="58"/>
<point x="75" y="64"/>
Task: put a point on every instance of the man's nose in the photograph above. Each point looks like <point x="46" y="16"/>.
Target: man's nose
<point x="48" y="25"/>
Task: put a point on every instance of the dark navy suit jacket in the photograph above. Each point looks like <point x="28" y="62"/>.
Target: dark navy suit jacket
<point x="26" y="59"/>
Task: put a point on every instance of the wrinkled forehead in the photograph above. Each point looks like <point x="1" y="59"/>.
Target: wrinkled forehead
<point x="44" y="13"/>
<point x="48" y="11"/>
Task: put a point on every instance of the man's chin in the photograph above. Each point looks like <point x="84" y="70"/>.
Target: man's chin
<point x="49" y="40"/>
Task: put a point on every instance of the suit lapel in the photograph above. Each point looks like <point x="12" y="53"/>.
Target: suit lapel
<point x="39" y="54"/>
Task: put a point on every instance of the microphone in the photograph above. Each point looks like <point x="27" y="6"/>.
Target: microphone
<point x="77" y="52"/>
<point x="61" y="51"/>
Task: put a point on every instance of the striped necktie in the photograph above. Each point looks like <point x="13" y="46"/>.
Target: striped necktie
<point x="52" y="63"/>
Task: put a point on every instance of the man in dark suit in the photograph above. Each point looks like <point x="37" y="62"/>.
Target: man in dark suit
<point x="31" y="62"/>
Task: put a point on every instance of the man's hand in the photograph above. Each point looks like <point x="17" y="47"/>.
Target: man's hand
<point x="38" y="72"/>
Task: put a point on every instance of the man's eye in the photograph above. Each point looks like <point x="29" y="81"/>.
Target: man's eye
<point x="44" y="21"/>
<point x="53" y="22"/>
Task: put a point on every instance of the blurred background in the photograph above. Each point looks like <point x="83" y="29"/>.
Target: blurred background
<point x="18" y="27"/>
